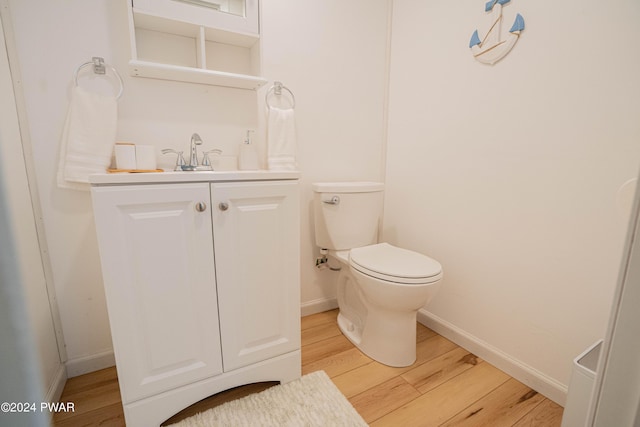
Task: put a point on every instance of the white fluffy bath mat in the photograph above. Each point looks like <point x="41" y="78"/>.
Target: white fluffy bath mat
<point x="313" y="400"/>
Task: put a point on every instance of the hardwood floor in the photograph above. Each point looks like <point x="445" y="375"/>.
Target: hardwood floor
<point x="447" y="386"/>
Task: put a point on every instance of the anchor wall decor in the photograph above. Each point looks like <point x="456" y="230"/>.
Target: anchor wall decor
<point x="493" y="47"/>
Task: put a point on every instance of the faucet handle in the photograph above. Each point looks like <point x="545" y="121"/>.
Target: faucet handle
<point x="179" y="159"/>
<point x="205" y="157"/>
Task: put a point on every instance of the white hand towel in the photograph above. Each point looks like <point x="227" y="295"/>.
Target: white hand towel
<point x="281" y="139"/>
<point x="88" y="138"/>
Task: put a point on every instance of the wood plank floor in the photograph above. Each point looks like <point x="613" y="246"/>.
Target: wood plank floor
<point x="447" y="386"/>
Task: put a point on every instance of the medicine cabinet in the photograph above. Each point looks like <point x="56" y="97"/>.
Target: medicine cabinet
<point x="214" y="42"/>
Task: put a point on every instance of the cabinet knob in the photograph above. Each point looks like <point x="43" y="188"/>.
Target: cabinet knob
<point x="201" y="206"/>
<point x="223" y="206"/>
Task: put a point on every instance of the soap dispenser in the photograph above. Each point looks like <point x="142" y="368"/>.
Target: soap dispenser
<point x="248" y="159"/>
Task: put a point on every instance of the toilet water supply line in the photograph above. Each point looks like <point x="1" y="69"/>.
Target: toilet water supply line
<point x="322" y="261"/>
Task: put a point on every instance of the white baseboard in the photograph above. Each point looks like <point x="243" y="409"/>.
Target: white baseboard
<point x="95" y="362"/>
<point x="522" y="372"/>
<point x="57" y="384"/>
<point x="318" y="306"/>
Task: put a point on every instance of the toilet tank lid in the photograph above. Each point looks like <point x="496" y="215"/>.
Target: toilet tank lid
<point x="347" y="187"/>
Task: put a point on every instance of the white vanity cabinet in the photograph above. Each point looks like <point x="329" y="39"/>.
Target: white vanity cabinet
<point x="202" y="286"/>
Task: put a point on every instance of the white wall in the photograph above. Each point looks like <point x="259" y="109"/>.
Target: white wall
<point x="508" y="174"/>
<point x="39" y="324"/>
<point x="53" y="38"/>
<point x="332" y="55"/>
<point x="329" y="53"/>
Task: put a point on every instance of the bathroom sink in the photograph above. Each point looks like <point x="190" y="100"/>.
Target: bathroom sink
<point x="187" y="168"/>
<point x="190" y="176"/>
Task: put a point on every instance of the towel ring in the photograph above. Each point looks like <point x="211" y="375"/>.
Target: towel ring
<point x="99" y="67"/>
<point x="276" y="89"/>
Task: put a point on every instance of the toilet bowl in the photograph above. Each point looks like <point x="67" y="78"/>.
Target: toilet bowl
<point x="381" y="287"/>
<point x="380" y="290"/>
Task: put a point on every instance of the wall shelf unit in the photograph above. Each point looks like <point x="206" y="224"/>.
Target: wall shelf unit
<point x="194" y="75"/>
<point x="182" y="48"/>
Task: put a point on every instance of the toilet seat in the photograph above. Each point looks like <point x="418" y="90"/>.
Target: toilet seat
<point x="389" y="263"/>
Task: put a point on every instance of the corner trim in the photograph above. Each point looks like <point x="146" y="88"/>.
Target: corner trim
<point x="57" y="384"/>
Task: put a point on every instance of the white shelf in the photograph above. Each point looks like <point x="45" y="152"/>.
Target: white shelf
<point x="179" y="73"/>
<point x="180" y="48"/>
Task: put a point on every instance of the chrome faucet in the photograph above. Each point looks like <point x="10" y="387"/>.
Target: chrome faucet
<point x="193" y="158"/>
<point x="193" y="164"/>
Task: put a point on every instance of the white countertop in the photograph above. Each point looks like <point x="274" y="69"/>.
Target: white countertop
<point x="196" y="176"/>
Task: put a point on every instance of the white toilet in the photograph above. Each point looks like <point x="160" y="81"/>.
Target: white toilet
<point x="380" y="287"/>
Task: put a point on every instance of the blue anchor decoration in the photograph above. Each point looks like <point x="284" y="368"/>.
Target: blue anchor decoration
<point x="492" y="47"/>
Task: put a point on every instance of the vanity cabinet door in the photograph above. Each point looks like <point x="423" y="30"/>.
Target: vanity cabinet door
<point x="256" y="240"/>
<point x="158" y="268"/>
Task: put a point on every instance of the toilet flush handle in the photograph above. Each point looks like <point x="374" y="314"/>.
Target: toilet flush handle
<point x="335" y="200"/>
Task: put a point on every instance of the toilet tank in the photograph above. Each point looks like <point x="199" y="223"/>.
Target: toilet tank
<point x="347" y="214"/>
